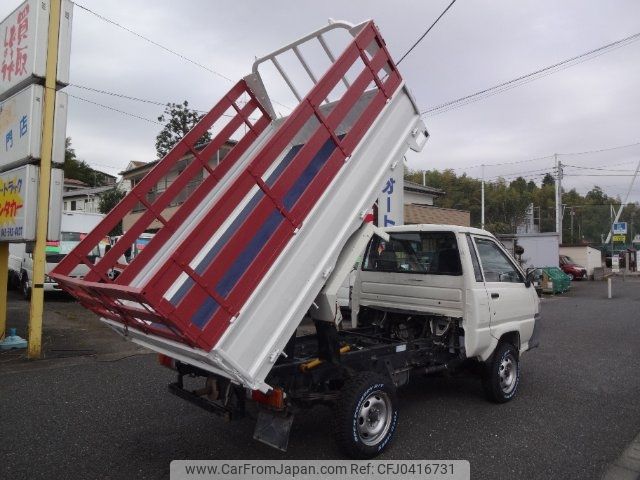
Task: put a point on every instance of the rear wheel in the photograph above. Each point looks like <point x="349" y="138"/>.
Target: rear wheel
<point x="366" y="415"/>
<point x="502" y="374"/>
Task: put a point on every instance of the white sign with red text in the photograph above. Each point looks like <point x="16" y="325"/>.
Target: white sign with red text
<point x="24" y="35"/>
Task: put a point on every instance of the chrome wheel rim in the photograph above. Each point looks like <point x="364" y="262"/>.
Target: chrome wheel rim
<point x="374" y="418"/>
<point x="508" y="372"/>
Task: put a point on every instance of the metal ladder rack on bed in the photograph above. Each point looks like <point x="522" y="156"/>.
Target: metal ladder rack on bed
<point x="243" y="246"/>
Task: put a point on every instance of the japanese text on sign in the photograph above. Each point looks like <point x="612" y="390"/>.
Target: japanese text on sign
<point x="15" y="48"/>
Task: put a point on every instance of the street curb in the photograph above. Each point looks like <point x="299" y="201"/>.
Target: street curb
<point x="627" y="466"/>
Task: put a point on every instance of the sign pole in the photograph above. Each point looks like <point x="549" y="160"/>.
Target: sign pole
<point x="34" y="348"/>
<point x="4" y="275"/>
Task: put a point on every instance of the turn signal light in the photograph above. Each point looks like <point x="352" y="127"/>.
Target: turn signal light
<point x="275" y="398"/>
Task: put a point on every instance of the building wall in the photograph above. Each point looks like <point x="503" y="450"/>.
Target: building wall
<point x="130" y="179"/>
<point x="540" y="249"/>
<point x="82" y="204"/>
<point x="417" y="198"/>
<point x="585" y="256"/>
<point x="414" y="214"/>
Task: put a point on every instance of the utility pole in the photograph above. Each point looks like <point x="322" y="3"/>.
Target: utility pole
<point x="573" y="214"/>
<point x="34" y="348"/>
<point x="482" y="199"/>
<point x="558" y="197"/>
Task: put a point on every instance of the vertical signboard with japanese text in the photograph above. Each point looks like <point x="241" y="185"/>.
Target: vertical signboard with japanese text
<point x="18" y="191"/>
<point x="391" y="197"/>
<point x="21" y="126"/>
<point x="24" y="45"/>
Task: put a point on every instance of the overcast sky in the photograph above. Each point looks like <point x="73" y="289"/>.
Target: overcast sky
<point x="477" y="44"/>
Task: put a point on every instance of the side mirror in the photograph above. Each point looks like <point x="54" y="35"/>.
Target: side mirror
<point x="529" y="277"/>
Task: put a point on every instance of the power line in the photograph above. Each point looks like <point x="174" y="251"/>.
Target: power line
<point x="115" y="109"/>
<point x="601" y="149"/>
<point x="120" y="95"/>
<point x="173" y="52"/>
<point x="596" y="175"/>
<point x="425" y="33"/>
<point x="531" y="76"/>
<point x="596" y="168"/>
<point x="166" y="49"/>
<point x="549" y="157"/>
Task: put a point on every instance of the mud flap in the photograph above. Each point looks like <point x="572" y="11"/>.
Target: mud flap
<point x="272" y="428"/>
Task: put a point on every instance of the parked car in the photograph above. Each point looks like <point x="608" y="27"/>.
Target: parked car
<point x="571" y="268"/>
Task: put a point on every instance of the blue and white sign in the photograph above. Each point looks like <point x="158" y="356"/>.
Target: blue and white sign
<point x="620" y="228"/>
<point x="391" y="197"/>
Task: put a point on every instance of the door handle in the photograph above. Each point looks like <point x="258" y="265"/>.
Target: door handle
<point x="495" y="295"/>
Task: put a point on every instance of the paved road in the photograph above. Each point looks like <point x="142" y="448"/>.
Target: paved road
<point x="577" y="409"/>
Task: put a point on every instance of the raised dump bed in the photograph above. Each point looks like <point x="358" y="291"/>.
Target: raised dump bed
<point x="244" y="245"/>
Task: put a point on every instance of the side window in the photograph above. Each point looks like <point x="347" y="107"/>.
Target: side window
<point x="415" y="252"/>
<point x="496" y="265"/>
<point x="474" y="259"/>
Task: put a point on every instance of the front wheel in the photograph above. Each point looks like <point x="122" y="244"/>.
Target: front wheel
<point x="366" y="415"/>
<point x="502" y="374"/>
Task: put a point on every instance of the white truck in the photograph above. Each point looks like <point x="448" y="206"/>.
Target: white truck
<point x="264" y="242"/>
<point x="74" y="226"/>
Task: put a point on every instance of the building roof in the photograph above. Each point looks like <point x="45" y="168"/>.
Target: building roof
<point x="137" y="166"/>
<point x="75" y="183"/>
<point x="83" y="192"/>
<point x="416" y="187"/>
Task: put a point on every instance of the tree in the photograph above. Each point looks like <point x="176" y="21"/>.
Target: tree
<point x="548" y="180"/>
<point x="108" y="201"/>
<point x="178" y="119"/>
<point x="79" y="169"/>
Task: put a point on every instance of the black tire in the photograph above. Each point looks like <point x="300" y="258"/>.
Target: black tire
<point x="501" y="377"/>
<point x="26" y="290"/>
<point x="367" y="395"/>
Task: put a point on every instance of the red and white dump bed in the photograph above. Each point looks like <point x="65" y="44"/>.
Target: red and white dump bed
<point x="245" y="245"/>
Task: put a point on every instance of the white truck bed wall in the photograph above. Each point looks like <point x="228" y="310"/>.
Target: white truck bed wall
<point x="254" y="337"/>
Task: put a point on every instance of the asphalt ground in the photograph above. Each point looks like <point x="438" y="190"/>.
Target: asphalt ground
<point x="104" y="416"/>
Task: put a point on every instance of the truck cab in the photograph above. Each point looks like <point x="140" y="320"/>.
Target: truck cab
<point x="455" y="275"/>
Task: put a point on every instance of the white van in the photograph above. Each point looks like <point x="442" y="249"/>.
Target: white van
<point x="74" y="226"/>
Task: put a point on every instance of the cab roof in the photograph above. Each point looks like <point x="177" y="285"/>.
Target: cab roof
<point x="436" y="228"/>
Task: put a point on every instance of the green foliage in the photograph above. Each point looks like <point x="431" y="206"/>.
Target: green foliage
<point x="108" y="200"/>
<point x="178" y="119"/>
<point x="506" y="203"/>
<point x="79" y="169"/>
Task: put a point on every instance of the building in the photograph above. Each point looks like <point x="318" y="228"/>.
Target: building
<point x="125" y="184"/>
<point x="419" y="207"/>
<point x="136" y="171"/>
<point x="540" y="249"/>
<point x="71" y="184"/>
<point x="584" y="255"/>
<point x="84" y="199"/>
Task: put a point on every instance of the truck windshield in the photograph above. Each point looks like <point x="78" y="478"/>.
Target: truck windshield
<point x="56" y="251"/>
<point x="415" y="252"/>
